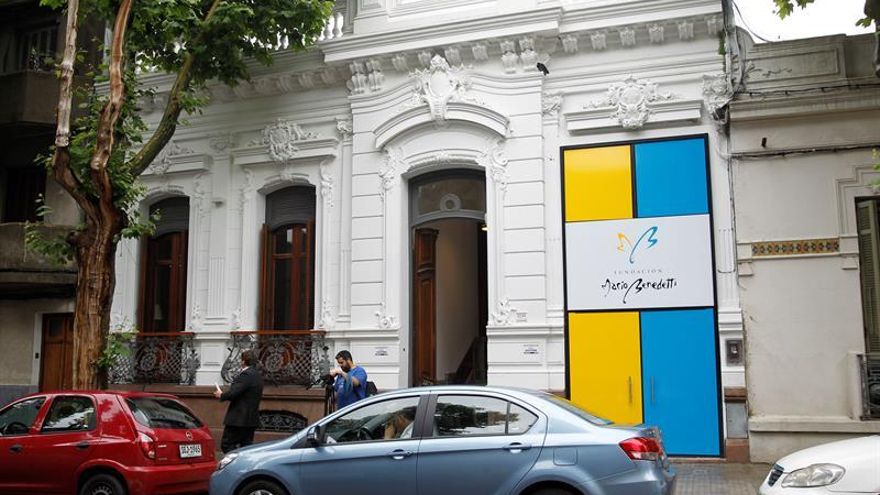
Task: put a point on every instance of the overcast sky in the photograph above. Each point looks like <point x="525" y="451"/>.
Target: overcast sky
<point x="821" y="18"/>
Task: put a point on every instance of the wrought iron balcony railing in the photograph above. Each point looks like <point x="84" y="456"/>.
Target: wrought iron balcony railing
<point x="157" y="358"/>
<point x="285" y="357"/>
<point x="869" y="365"/>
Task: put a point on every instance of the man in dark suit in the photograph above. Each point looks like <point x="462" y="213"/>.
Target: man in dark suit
<point x="243" y="414"/>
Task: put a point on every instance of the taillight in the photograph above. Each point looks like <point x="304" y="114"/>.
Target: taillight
<point x="147" y="445"/>
<point x="642" y="449"/>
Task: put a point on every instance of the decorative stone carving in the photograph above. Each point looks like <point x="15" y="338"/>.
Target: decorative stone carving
<point x="375" y="76"/>
<point x="453" y="55"/>
<point x="235" y="320"/>
<point x="164" y="161"/>
<point x="358" y="82"/>
<point x="685" y="30"/>
<point x="221" y="141"/>
<point x="628" y="37"/>
<point x="509" y="57"/>
<point x="505" y="315"/>
<point x="570" y="43"/>
<point x="631" y="100"/>
<point x="327" y="319"/>
<point x="200" y="196"/>
<point x="715" y="25"/>
<point x="425" y="58"/>
<point x="195" y="321"/>
<point x="528" y="56"/>
<point x="265" y="86"/>
<point x="394" y="164"/>
<point x="656" y="33"/>
<point x="344" y="127"/>
<point x="281" y="137"/>
<point x="384" y="320"/>
<point x="495" y="163"/>
<point x="551" y="103"/>
<point x="439" y="85"/>
<point x="481" y="53"/>
<point x="599" y="41"/>
<point x="307" y="80"/>
<point x="327" y="185"/>
<point x="221" y="92"/>
<point x="328" y="76"/>
<point x="247" y="188"/>
<point x="717" y="92"/>
<point x="399" y="62"/>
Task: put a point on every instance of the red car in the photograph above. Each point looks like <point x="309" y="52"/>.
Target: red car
<point x="103" y="443"/>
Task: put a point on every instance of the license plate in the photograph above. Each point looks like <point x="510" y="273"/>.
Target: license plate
<point x="190" y="450"/>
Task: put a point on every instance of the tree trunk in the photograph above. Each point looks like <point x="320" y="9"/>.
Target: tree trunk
<point x="96" y="257"/>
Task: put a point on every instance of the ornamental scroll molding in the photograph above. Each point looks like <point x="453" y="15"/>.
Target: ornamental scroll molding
<point x="631" y="101"/>
<point x="384" y="320"/>
<point x="717" y="92"/>
<point x="551" y="103"/>
<point x="505" y="314"/>
<point x="390" y="170"/>
<point x="438" y="85"/>
<point x="165" y="159"/>
<point x="327" y="185"/>
<point x="327" y="320"/>
<point x="495" y="162"/>
<point x="281" y="138"/>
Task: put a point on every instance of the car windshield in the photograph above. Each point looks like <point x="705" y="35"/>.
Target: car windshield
<point x="160" y="412"/>
<point x="575" y="409"/>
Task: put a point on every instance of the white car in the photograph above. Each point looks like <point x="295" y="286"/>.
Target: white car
<point x="840" y="468"/>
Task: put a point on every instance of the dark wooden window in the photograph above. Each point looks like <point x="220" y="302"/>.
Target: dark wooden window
<point x="288" y="274"/>
<point x="24" y="186"/>
<point x="868" y="223"/>
<point x="163" y="288"/>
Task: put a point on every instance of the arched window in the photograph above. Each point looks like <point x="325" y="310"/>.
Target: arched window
<point x="287" y="301"/>
<point x="163" y="274"/>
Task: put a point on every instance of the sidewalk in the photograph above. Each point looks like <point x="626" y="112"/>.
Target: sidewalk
<point x="719" y="478"/>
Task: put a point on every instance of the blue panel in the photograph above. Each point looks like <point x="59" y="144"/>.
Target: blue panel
<point x="680" y="379"/>
<point x="670" y="178"/>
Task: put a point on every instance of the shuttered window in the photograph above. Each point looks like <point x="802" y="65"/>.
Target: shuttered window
<point x="163" y="274"/>
<point x="869" y="257"/>
<point x="287" y="287"/>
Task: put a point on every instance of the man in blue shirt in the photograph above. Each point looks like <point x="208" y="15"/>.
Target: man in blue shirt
<point x="351" y="380"/>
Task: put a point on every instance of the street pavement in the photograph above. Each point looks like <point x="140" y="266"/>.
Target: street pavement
<point x="719" y="478"/>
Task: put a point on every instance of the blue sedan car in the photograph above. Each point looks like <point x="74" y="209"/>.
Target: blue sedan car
<point x="454" y="440"/>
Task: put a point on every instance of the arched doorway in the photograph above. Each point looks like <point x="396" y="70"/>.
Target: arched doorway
<point x="449" y="293"/>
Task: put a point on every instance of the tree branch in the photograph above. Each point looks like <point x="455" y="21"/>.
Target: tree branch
<point x="61" y="157"/>
<point x="166" y="127"/>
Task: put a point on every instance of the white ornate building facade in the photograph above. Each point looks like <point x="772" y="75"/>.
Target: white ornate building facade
<point x="400" y="187"/>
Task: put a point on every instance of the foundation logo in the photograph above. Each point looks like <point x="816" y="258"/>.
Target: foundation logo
<point x="646" y="241"/>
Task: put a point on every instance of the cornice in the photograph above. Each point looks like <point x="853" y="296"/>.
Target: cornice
<point x="377" y="44"/>
<point x="611" y="14"/>
<point x="746" y="108"/>
<point x="314" y="150"/>
<point x="603" y="118"/>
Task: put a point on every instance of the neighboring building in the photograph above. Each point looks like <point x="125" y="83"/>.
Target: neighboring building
<point x="398" y="188"/>
<point x="35" y="295"/>
<point x="802" y="129"/>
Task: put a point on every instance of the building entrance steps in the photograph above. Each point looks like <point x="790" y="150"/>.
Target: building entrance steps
<point x="718" y="478"/>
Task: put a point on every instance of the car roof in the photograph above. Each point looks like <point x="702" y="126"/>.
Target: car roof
<point x="120" y="393"/>
<point x="520" y="393"/>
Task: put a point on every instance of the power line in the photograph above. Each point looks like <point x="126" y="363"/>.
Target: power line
<point x="746" y="24"/>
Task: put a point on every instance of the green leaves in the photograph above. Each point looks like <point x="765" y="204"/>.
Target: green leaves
<point x="784" y="8"/>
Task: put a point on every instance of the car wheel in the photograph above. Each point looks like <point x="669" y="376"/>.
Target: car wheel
<point x="262" y="487"/>
<point x="102" y="484"/>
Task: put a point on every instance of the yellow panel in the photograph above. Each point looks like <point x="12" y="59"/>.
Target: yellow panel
<point x="605" y="365"/>
<point x="598" y="184"/>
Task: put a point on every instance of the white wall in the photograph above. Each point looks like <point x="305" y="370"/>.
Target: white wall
<point x="21" y="323"/>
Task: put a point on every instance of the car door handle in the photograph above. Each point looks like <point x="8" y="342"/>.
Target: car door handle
<point x="16" y="448"/>
<point x="82" y="445"/>
<point x="400" y="454"/>
<point x="517" y="447"/>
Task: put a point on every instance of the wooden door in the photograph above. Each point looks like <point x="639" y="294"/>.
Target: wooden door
<point x="56" y="356"/>
<point x="424" y="306"/>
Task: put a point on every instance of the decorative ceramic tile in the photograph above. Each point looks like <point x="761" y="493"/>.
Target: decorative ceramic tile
<point x="789" y="248"/>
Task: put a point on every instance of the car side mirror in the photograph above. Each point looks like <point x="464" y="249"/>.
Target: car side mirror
<point x="315" y="435"/>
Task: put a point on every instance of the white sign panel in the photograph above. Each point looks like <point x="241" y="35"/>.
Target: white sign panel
<point x="639" y="263"/>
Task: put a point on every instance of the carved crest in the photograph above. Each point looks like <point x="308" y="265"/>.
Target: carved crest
<point x="438" y="85"/>
<point x="281" y="138"/>
<point x="631" y="100"/>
